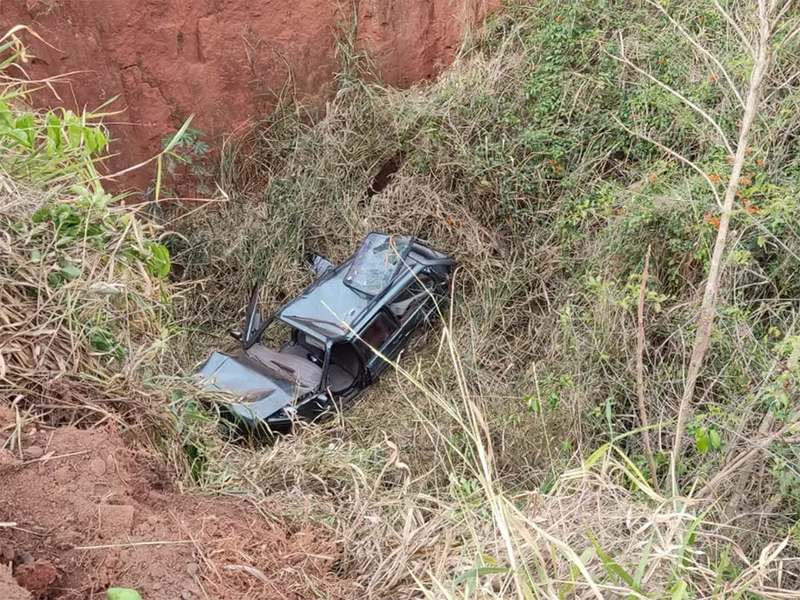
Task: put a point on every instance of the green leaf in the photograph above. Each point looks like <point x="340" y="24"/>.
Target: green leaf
<point x="71" y="272"/>
<point x="65" y="240"/>
<point x="100" y="140"/>
<point x="74" y="134"/>
<point x="91" y="140"/>
<point x="54" y="132"/>
<point x="585" y="557"/>
<point x="679" y="590"/>
<point x="643" y="563"/>
<point x="701" y="440"/>
<point x="158" y="264"/>
<point x="80" y="190"/>
<point x="178" y="137"/>
<point x="25" y="130"/>
<point x="611" y="566"/>
<point x="122" y="594"/>
<point x="36" y="256"/>
<point x="487" y="560"/>
<point x="6" y="118"/>
<point x="102" y="340"/>
<point x="716" y="442"/>
<point x="595" y="457"/>
<point x="477" y="572"/>
<point x="472" y="576"/>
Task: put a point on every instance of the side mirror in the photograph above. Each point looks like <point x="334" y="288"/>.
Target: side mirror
<point x="252" y="320"/>
<point x="319" y="265"/>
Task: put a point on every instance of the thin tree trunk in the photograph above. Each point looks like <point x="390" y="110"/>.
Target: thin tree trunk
<point x="708" y="307"/>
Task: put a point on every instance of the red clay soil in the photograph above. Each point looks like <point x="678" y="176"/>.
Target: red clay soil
<point x="226" y="62"/>
<point x="80" y="513"/>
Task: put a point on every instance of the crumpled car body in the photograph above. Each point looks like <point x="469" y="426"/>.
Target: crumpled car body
<point x="345" y="329"/>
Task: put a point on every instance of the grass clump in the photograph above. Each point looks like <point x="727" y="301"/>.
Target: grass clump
<point x="528" y="161"/>
<point x="84" y="303"/>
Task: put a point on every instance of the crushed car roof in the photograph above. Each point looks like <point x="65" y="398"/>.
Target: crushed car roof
<point x="325" y="307"/>
<point x="330" y="308"/>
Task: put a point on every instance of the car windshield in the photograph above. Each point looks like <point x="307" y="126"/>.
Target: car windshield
<point x="376" y="262"/>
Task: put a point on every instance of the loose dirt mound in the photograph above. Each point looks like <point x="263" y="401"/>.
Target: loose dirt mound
<point x="89" y="516"/>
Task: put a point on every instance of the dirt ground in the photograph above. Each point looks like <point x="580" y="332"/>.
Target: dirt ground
<point x="80" y="512"/>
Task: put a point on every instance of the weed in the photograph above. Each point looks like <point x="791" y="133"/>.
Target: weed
<point x="523" y="160"/>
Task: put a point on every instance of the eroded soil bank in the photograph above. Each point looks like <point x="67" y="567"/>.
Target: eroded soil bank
<point x="225" y="61"/>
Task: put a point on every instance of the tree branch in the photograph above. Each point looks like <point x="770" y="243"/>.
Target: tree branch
<point x="702" y="50"/>
<point x="674" y="154"/>
<point x="736" y="28"/>
<point x="648" y="451"/>
<point x="623" y="59"/>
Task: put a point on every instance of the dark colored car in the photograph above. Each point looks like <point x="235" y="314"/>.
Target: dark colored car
<point x="341" y="331"/>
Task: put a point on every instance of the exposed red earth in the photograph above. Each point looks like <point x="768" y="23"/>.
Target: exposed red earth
<point x="226" y="61"/>
<point x="81" y="511"/>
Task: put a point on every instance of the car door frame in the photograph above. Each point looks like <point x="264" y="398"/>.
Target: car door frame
<point x="374" y="362"/>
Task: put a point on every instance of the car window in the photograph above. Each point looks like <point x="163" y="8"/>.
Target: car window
<point x="376" y="333"/>
<point x="411" y="297"/>
<point x="276" y="335"/>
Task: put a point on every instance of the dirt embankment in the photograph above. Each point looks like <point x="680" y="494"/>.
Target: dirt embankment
<point x="79" y="513"/>
<point x="227" y="62"/>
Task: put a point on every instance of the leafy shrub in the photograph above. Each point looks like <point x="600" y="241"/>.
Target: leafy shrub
<point x="84" y="296"/>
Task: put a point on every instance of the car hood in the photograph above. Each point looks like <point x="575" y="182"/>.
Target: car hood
<point x="262" y="395"/>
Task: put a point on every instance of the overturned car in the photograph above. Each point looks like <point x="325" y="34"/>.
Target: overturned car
<point x="342" y="330"/>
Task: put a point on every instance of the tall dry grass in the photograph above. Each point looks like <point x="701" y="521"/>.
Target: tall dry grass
<point x="86" y="324"/>
<point x="506" y="458"/>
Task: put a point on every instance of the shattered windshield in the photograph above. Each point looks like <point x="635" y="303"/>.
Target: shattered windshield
<point x="376" y="262"/>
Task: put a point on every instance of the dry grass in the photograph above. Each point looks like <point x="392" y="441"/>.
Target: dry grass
<point x="308" y="191"/>
<point x="514" y="161"/>
<point x="81" y="325"/>
<point x="600" y="531"/>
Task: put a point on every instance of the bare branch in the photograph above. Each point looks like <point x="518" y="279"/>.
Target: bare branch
<point x="745" y="458"/>
<point x="786" y="6"/>
<point x="709" y="304"/>
<point x="783" y="85"/>
<point x="701" y="49"/>
<point x="623" y="59"/>
<point x="674" y="154"/>
<point x="787" y="39"/>
<point x="648" y="450"/>
<point x="736" y="28"/>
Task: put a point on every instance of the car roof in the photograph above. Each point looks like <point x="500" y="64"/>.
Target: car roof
<point x="327" y="307"/>
<point x="330" y="309"/>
